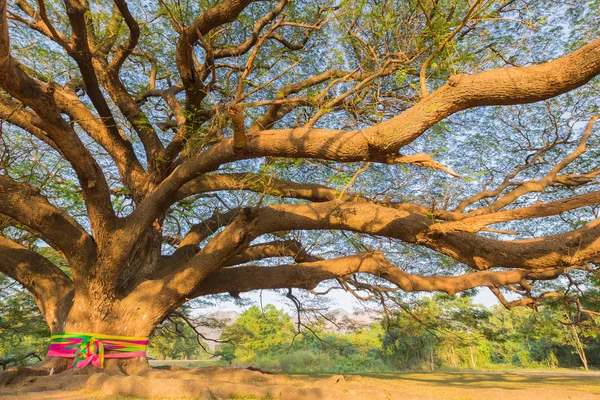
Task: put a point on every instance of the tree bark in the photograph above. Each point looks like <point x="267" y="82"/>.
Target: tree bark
<point x="98" y="316"/>
<point x="579" y="347"/>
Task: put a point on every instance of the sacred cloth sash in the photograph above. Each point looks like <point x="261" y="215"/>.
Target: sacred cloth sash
<point x="93" y="348"/>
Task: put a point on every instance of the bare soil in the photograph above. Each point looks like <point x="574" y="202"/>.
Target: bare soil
<point x="213" y="383"/>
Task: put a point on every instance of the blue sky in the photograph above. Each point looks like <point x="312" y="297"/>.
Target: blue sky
<point x="339" y="299"/>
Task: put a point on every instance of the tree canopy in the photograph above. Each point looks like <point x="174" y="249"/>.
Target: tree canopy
<point x="155" y="152"/>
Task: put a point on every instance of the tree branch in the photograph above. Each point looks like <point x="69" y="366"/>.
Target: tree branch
<point x="537" y="185"/>
<point x="378" y="143"/>
<point x="244" y="47"/>
<point x="216" y="16"/>
<point x="51" y="289"/>
<point x="40" y="98"/>
<point x="24" y="204"/>
<point x="260" y="184"/>
<point x="278" y="248"/>
<point x="174" y="284"/>
<point x="308" y="275"/>
<point x="481" y="253"/>
<point x="125" y="49"/>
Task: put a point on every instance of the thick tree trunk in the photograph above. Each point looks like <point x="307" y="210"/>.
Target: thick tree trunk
<point x="105" y="317"/>
<point x="100" y="299"/>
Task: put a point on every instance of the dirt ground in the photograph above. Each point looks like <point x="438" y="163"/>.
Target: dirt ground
<point x="213" y="383"/>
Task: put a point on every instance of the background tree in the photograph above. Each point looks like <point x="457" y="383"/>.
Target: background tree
<point x="175" y="338"/>
<point x="172" y="150"/>
<point x="23" y="332"/>
<point x="444" y="330"/>
<point x="257" y="331"/>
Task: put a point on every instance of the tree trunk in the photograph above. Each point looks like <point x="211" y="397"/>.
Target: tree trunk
<point x="432" y="361"/>
<point x="472" y="357"/>
<point x="109" y="294"/>
<point x="453" y="361"/>
<point x="579" y="347"/>
<point x="106" y="317"/>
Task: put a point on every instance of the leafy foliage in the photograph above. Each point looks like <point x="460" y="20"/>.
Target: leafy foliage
<point x="259" y="332"/>
<point x="23" y="332"/>
<point x="443" y="332"/>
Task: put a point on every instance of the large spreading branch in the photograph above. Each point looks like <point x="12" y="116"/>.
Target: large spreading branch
<point x="274" y="249"/>
<point x="39" y="98"/>
<point x="259" y="183"/>
<point x="116" y="145"/>
<point x="81" y="53"/>
<point x="187" y="247"/>
<point x="307" y="275"/>
<point x="174" y="284"/>
<point x="48" y="285"/>
<point x="571" y="248"/>
<point x="24" y="204"/>
<point x="380" y="142"/>
<point x="529" y="259"/>
<point x="212" y="18"/>
<point x="476" y="223"/>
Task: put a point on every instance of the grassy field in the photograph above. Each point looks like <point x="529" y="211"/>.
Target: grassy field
<point x="231" y="383"/>
<point x="512" y="385"/>
<point x="540" y="382"/>
<point x="511" y="380"/>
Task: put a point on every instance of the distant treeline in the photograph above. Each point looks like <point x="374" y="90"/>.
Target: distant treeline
<point x="442" y="332"/>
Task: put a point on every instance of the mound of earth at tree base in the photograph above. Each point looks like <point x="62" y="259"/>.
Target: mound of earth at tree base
<point x="235" y="383"/>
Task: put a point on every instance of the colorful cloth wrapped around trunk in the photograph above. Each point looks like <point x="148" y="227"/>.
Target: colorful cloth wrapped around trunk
<point x="92" y="348"/>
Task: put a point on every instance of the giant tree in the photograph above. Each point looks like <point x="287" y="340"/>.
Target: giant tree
<point x="175" y="149"/>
